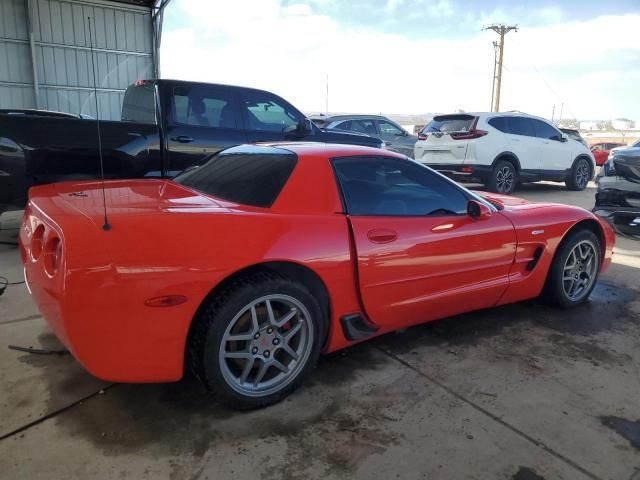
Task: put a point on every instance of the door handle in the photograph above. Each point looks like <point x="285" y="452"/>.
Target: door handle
<point x="182" y="139"/>
<point x="382" y="235"/>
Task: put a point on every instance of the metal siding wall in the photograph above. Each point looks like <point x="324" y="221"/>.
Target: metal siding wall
<point x="122" y="46"/>
<point x="16" y="78"/>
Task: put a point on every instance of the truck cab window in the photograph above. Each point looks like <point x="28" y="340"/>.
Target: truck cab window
<point x="268" y="113"/>
<point x="204" y="107"/>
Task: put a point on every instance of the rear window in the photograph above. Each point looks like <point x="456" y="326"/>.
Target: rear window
<point x="251" y="176"/>
<point x="139" y="103"/>
<point x="450" y="123"/>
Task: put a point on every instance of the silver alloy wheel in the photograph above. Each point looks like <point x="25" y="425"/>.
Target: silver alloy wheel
<point x="582" y="174"/>
<point x="504" y="179"/>
<point x="266" y="345"/>
<point x="580" y="270"/>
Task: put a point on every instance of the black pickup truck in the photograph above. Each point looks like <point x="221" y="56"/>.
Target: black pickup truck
<point x="166" y="126"/>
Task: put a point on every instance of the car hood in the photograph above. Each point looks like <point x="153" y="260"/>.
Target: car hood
<point x="502" y="201"/>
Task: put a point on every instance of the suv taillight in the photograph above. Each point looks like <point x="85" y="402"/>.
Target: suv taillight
<point x="423" y="136"/>
<point x="471" y="134"/>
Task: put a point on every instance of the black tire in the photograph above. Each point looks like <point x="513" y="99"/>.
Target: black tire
<point x="211" y="325"/>
<point x="579" y="175"/>
<point x="555" y="290"/>
<point x="503" y="178"/>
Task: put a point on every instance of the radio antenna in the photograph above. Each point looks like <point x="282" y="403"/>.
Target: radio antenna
<point x="106" y="225"/>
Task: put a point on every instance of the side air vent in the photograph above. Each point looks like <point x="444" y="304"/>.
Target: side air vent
<point x="534" y="261"/>
<point x="356" y="327"/>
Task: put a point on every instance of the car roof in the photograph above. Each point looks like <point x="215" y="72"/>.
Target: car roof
<point x="190" y="83"/>
<point x="334" y="118"/>
<point x="314" y="149"/>
<point x="511" y="113"/>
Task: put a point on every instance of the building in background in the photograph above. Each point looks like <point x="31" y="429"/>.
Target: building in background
<point x="623" y="124"/>
<point x="45" y="56"/>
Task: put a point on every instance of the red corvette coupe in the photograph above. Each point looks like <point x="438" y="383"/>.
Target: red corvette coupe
<point x="250" y="266"/>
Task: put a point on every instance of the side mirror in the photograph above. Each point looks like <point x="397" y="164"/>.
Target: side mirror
<point x="306" y="127"/>
<point x="564" y="137"/>
<point x="477" y="210"/>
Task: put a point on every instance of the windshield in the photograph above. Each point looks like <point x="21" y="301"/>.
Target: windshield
<point x="247" y="175"/>
<point x="450" y="123"/>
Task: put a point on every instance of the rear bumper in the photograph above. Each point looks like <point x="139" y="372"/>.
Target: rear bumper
<point x="462" y="171"/>
<point x="97" y="310"/>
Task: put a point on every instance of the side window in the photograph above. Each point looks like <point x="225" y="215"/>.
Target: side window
<point x="499" y="123"/>
<point x="266" y="112"/>
<point x="387" y="128"/>
<point x="363" y="126"/>
<point x="346" y="125"/>
<point x="139" y="104"/>
<point x="203" y="106"/>
<point x="598" y="147"/>
<point x="395" y="187"/>
<point x="521" y="126"/>
<point x="544" y="130"/>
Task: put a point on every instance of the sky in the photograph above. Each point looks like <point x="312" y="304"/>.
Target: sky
<point x="414" y="56"/>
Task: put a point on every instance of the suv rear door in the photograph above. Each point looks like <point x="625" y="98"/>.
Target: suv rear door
<point x="202" y="120"/>
<point x="555" y="156"/>
<point x="521" y="140"/>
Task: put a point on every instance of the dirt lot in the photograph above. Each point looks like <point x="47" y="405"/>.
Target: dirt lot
<point x="520" y="392"/>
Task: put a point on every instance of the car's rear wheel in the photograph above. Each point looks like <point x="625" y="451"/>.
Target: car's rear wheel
<point x="256" y="340"/>
<point x="574" y="270"/>
<point x="579" y="176"/>
<point x="503" y="178"/>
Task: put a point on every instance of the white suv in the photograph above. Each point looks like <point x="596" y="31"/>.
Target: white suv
<point x="502" y="150"/>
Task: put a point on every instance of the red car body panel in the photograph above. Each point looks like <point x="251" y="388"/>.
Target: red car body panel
<point x="168" y="240"/>
<point x="601" y="156"/>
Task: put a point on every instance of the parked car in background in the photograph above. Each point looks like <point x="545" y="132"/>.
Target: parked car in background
<point x="618" y="196"/>
<point x="601" y="151"/>
<point x="166" y="126"/>
<point x="395" y="137"/>
<point x="574" y="134"/>
<point x="286" y="250"/>
<point x="502" y="150"/>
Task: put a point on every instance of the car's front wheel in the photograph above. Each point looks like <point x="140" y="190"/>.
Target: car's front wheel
<point x="256" y="341"/>
<point x="579" y="175"/>
<point x="503" y="178"/>
<point x="574" y="270"/>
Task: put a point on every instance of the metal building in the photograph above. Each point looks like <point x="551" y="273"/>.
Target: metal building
<point x="45" y="55"/>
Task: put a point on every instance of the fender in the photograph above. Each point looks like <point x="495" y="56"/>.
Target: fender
<point x="511" y="156"/>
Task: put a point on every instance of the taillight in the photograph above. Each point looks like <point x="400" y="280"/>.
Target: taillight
<point x="422" y="136"/>
<point x="36" y="242"/>
<point x="471" y="134"/>
<point x="52" y="255"/>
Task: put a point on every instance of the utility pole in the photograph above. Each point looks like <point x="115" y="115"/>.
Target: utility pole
<point x="326" y="99"/>
<point x="501" y="30"/>
<point x="493" y="79"/>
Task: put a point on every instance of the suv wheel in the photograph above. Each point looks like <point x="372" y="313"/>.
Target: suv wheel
<point x="503" y="178"/>
<point x="579" y="176"/>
